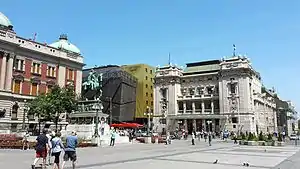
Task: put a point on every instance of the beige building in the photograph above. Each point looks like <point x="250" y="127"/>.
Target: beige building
<point x="29" y="68"/>
<point x="214" y="95"/>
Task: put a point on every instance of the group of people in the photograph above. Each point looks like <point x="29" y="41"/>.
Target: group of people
<point x="202" y="134"/>
<point x="50" y="144"/>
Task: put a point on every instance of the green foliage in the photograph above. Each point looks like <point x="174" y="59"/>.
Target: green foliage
<point x="251" y="137"/>
<point x="49" y="107"/>
<point x="261" y="137"/>
<point x="243" y="136"/>
<point x="270" y="138"/>
<point x="280" y="137"/>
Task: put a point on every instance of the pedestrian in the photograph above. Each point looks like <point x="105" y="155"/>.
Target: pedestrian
<point x="112" y="137"/>
<point x="42" y="146"/>
<point x="205" y="136"/>
<point x="49" y="136"/>
<point x="70" y="149"/>
<point x="193" y="138"/>
<point x="25" y="141"/>
<point x="209" y="138"/>
<point x="57" y="147"/>
<point x="235" y="138"/>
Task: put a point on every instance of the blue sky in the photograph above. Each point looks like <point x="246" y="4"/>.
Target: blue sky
<point x="143" y="31"/>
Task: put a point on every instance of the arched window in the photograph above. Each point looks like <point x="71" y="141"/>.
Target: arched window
<point x="14" y="112"/>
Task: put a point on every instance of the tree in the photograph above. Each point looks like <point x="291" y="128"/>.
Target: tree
<point x="49" y="107"/>
<point x="63" y="100"/>
<point x="40" y="107"/>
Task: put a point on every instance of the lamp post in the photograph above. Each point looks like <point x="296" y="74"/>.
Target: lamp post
<point x="208" y="123"/>
<point x="24" y="112"/>
<point x="148" y="113"/>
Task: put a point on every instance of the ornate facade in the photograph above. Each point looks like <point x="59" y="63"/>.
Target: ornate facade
<point x="29" y="68"/>
<point x="214" y="95"/>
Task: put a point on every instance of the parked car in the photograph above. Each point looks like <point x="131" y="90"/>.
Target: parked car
<point x="294" y="137"/>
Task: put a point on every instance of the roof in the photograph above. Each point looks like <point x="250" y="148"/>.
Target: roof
<point x="64" y="44"/>
<point x="4" y="21"/>
<point x="206" y="66"/>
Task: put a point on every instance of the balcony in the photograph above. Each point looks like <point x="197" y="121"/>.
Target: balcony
<point x="198" y="111"/>
<point x="189" y="111"/>
<point x="180" y="111"/>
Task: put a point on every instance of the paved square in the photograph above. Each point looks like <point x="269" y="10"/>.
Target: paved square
<point x="180" y="154"/>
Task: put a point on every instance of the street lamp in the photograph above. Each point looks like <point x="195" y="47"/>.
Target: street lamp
<point x="208" y="123"/>
<point x="149" y="114"/>
<point x="24" y="112"/>
<point x="97" y="106"/>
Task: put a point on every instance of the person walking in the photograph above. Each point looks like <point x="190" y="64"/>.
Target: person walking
<point x="193" y="138"/>
<point x="49" y="136"/>
<point x="25" y="141"/>
<point x="205" y="136"/>
<point x="209" y="138"/>
<point x="42" y="146"/>
<point x="112" y="137"/>
<point x="57" y="147"/>
<point x="70" y="149"/>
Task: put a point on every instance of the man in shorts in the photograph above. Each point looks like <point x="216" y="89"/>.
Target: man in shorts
<point x="41" y="148"/>
<point x="70" y="149"/>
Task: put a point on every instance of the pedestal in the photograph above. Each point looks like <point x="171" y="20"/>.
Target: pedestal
<point x="96" y="140"/>
<point x="148" y="140"/>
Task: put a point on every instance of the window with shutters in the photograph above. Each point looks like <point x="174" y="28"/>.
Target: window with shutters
<point x="17" y="87"/>
<point x="19" y="65"/>
<point x="34" y="89"/>
<point x="36" y="68"/>
<point x="51" y="71"/>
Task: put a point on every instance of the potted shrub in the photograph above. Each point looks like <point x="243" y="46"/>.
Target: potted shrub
<point x="261" y="139"/>
<point x="252" y="139"/>
<point x="280" y="140"/>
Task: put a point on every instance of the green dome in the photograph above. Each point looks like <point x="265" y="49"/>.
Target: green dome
<point x="4" y="21"/>
<point x="64" y="44"/>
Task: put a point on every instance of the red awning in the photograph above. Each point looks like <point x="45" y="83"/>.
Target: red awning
<point x="127" y="125"/>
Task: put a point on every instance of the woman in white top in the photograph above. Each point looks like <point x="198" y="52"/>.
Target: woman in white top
<point x="57" y="147"/>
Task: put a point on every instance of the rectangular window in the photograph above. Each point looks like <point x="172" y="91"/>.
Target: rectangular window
<point x="51" y="71"/>
<point x="70" y="74"/>
<point x="234" y="120"/>
<point x="150" y="71"/>
<point x="232" y="88"/>
<point x="34" y="89"/>
<point x="151" y="95"/>
<point x="17" y="86"/>
<point x="146" y="85"/>
<point x="146" y="69"/>
<point x="36" y="68"/>
<point x="151" y="103"/>
<point x="146" y="94"/>
<point x="146" y="77"/>
<point x="19" y="65"/>
<point x="146" y="102"/>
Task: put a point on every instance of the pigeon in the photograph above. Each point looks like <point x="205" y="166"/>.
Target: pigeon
<point x="265" y="150"/>
<point x="246" y="164"/>
<point x="216" y="161"/>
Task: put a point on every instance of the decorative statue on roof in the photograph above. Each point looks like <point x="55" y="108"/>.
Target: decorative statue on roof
<point x="93" y="82"/>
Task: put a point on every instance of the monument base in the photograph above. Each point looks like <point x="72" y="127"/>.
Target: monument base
<point x="148" y="140"/>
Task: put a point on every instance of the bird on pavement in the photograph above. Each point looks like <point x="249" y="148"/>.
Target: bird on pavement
<point x="216" y="161"/>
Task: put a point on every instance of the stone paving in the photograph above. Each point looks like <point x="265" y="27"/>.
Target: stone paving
<point x="180" y="154"/>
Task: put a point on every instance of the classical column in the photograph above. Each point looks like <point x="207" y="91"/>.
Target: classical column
<point x="193" y="107"/>
<point x="204" y="124"/>
<point x="185" y="125"/>
<point x="184" y="107"/>
<point x="194" y="125"/>
<point x="78" y="81"/>
<point x="61" y="76"/>
<point x="212" y="107"/>
<point x="3" y="71"/>
<point x="9" y="71"/>
<point x="202" y="107"/>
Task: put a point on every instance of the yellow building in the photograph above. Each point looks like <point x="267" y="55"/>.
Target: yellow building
<point x="144" y="92"/>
